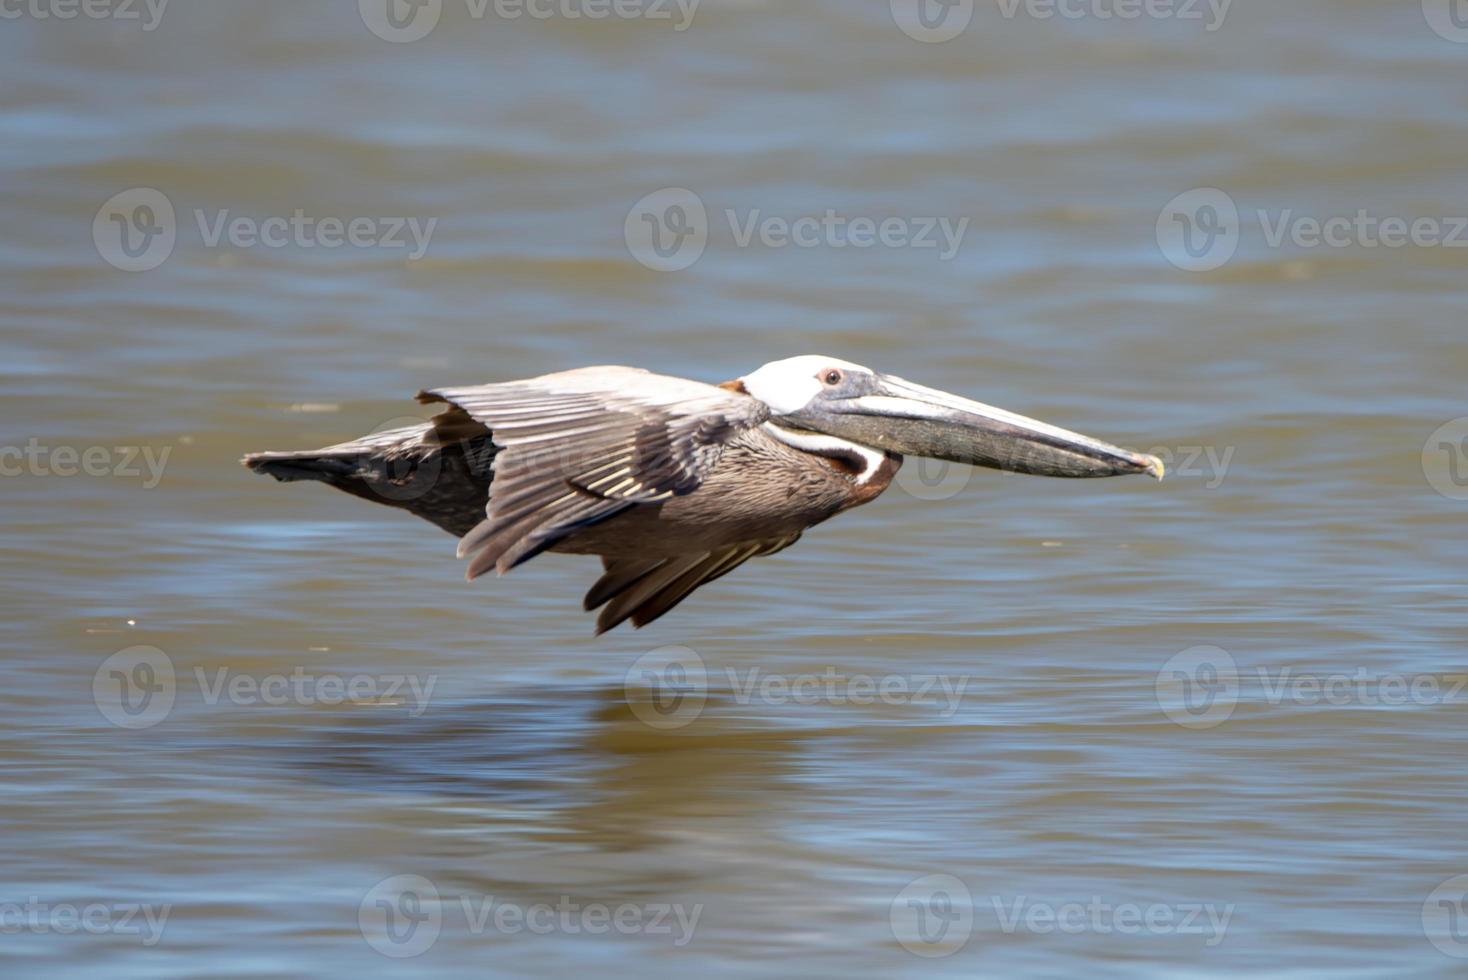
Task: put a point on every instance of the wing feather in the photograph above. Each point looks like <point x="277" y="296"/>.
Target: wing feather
<point x="618" y="574"/>
<point x="643" y="589"/>
<point x="582" y="446"/>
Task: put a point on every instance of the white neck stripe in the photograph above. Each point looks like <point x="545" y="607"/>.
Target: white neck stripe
<point x="820" y="444"/>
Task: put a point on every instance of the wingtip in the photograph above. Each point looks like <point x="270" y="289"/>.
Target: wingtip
<point x="267" y="463"/>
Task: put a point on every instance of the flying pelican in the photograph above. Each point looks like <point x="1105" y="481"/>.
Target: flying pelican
<point x="674" y="483"/>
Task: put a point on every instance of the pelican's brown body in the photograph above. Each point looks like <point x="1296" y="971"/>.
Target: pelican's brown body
<point x="673" y="483"/>
<point x="794" y="491"/>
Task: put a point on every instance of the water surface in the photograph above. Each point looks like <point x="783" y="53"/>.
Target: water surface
<point x="1307" y="822"/>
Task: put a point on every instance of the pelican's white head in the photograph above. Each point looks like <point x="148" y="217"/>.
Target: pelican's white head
<point x="789" y="385"/>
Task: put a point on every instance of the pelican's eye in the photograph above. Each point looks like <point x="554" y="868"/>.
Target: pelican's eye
<point x="832" y="377"/>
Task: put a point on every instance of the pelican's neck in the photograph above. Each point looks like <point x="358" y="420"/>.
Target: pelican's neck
<point x="863" y="460"/>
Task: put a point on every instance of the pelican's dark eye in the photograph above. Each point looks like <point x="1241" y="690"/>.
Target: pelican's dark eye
<point x="832" y="377"/>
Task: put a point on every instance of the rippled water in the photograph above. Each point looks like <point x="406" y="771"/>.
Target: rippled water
<point x="1196" y="729"/>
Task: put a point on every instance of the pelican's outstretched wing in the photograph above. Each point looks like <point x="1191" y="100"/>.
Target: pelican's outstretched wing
<point x="642" y="589"/>
<point x="581" y="446"/>
<point x="438" y="469"/>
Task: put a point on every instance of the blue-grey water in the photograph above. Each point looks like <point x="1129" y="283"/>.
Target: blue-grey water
<point x="1206" y="728"/>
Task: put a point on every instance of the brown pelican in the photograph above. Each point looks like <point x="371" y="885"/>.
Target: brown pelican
<point x="674" y="483"/>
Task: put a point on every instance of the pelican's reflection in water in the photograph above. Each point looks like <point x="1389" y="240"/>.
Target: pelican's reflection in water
<point x="539" y="794"/>
<point x="574" y="777"/>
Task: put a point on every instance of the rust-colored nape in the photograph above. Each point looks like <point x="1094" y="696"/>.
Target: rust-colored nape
<point x="736" y="386"/>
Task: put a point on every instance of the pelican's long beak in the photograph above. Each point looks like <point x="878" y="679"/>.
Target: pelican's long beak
<point x="917" y="421"/>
